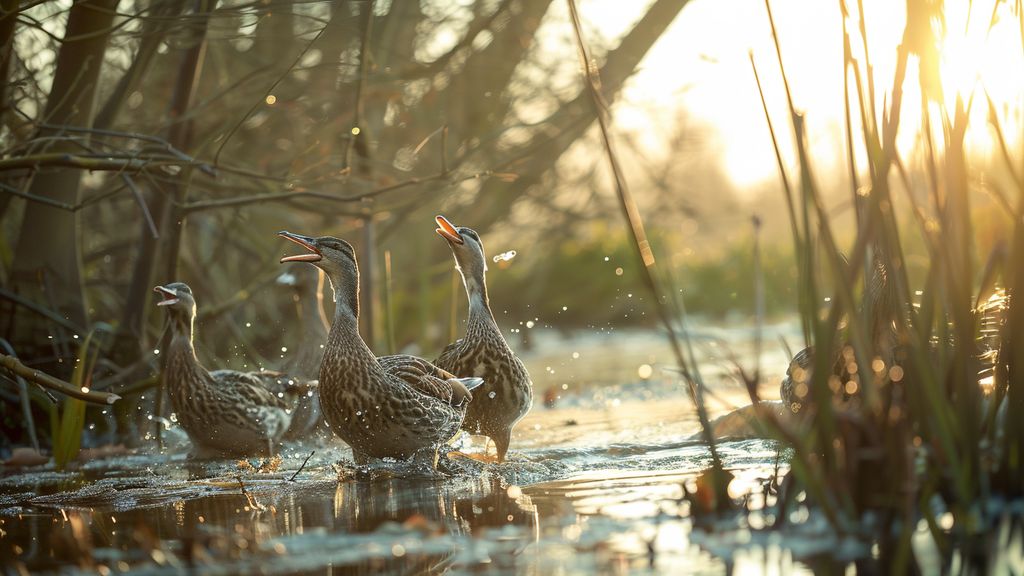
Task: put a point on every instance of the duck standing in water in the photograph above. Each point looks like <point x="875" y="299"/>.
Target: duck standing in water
<point x="507" y="393"/>
<point x="307" y="286"/>
<point x="399" y="407"/>
<point x="225" y="412"/>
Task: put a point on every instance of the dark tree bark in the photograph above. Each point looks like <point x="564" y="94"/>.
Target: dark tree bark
<point x="130" y="340"/>
<point x="8" y="8"/>
<point x="47" y="261"/>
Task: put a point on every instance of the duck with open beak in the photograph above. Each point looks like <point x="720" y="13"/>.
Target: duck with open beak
<point x="224" y="412"/>
<point x="400" y="406"/>
<point x="507" y="393"/>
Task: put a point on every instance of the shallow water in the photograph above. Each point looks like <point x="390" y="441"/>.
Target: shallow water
<point x="593" y="485"/>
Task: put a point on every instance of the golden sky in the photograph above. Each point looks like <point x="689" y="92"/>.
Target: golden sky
<point x="702" y="64"/>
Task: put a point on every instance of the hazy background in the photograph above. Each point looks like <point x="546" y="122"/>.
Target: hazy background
<point x="282" y="98"/>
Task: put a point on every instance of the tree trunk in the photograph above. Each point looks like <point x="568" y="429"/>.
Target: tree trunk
<point x="47" y="264"/>
<point x="130" y="340"/>
<point x="7" y="21"/>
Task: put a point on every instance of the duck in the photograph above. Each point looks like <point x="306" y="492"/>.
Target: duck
<point x="398" y="407"/>
<point x="507" y="393"/>
<point x="306" y="284"/>
<point x="226" y="413"/>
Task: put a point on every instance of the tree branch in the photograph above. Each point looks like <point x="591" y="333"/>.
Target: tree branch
<point x="201" y="205"/>
<point x="45" y="380"/>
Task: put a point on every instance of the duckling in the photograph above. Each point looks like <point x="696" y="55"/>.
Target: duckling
<point x="225" y="412"/>
<point x="507" y="393"/>
<point x="399" y="407"/>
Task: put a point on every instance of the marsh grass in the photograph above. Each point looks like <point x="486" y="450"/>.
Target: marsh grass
<point x="68" y="420"/>
<point x="918" y="436"/>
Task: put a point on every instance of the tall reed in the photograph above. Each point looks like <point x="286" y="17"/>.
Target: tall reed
<point x="893" y="412"/>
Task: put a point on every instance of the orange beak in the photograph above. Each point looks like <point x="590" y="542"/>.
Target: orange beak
<point x="304" y="241"/>
<point x="447" y="230"/>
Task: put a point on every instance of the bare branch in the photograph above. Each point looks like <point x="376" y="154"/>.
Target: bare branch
<point x="285" y="196"/>
<point x="18" y="369"/>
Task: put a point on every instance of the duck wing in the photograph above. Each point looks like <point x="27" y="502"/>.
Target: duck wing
<point x="253" y="387"/>
<point x="451" y="355"/>
<point x="429" y="380"/>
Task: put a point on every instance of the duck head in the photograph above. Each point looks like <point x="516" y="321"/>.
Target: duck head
<point x="336" y="258"/>
<point x="468" y="250"/>
<point x="177" y="298"/>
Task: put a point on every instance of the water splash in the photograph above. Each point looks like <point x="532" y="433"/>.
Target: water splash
<point x="505" y="256"/>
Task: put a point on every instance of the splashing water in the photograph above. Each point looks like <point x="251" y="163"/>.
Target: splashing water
<point x="505" y="256"/>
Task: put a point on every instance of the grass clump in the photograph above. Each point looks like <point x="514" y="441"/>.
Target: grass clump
<point x="902" y="406"/>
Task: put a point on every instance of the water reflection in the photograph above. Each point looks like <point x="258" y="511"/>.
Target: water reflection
<point x="394" y="525"/>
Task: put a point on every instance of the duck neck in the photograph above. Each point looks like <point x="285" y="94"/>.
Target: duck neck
<point x="479" y="304"/>
<point x="345" y="348"/>
<point x="181" y="353"/>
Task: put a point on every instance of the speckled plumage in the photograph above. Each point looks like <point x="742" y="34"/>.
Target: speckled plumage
<point x="225" y="412"/>
<point x="399" y="407"/>
<point x="507" y="393"/>
<point x="304" y="359"/>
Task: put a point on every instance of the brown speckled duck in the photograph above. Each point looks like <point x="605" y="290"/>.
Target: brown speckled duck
<point x="225" y="412"/>
<point x="399" y="407"/>
<point x="507" y="393"/>
<point x="306" y="284"/>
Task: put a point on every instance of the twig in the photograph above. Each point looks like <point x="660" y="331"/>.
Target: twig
<point x="292" y="479"/>
<point x="204" y="167"/>
<point x="18" y="369"/>
<point x="46" y="313"/>
<point x="105" y="163"/>
<point x="201" y="205"/>
<point x="26" y="406"/>
<point x="40" y="199"/>
<point x="216" y="156"/>
<point x="142" y="204"/>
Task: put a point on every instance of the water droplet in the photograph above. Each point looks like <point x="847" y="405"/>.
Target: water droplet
<point x="644" y="371"/>
<point x="505" y="256"/>
<point x="575" y="355"/>
<point x="284" y="348"/>
<point x="492" y="394"/>
<point x="156" y="351"/>
<point x="529" y="324"/>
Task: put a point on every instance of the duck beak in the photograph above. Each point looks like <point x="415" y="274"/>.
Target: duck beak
<point x="447" y="230"/>
<point x="304" y="241"/>
<point x="169" y="296"/>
